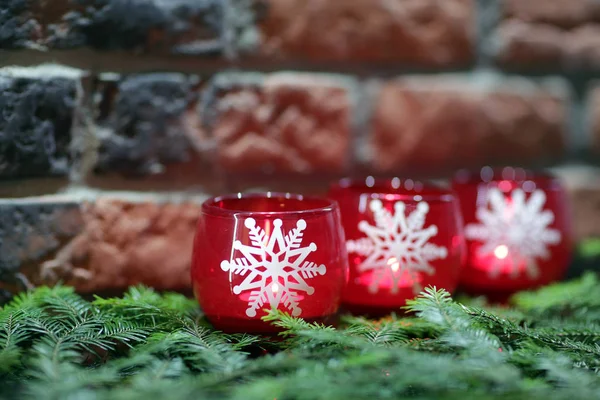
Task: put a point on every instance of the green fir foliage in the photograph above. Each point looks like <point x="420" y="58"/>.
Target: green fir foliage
<point x="56" y="345"/>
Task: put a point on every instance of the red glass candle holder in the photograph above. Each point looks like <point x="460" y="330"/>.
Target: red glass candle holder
<point x="517" y="228"/>
<point x="268" y="250"/>
<point x="401" y="237"/>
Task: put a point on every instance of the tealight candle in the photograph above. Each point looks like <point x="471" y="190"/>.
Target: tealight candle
<point x="517" y="228"/>
<point x="255" y="252"/>
<point x="402" y="235"/>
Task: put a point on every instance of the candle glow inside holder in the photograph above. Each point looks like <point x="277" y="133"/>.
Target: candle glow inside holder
<point x="402" y="235"/>
<point x="517" y="228"/>
<point x="255" y="252"/>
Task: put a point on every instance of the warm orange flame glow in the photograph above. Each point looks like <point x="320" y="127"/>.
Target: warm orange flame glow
<point x="501" y="252"/>
<point x="394" y="264"/>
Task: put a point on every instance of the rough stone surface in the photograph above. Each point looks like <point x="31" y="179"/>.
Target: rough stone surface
<point x="594" y="118"/>
<point x="282" y="123"/>
<point x="150" y="26"/>
<point x="421" y="32"/>
<point x="434" y="125"/>
<point x="106" y="244"/>
<point x="546" y="34"/>
<point x="147" y="122"/>
<point x="30" y="231"/>
<point x="124" y="243"/>
<point x="17" y="26"/>
<point x="37" y="108"/>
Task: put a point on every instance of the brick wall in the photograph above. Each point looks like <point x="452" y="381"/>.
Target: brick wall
<point x="118" y="118"/>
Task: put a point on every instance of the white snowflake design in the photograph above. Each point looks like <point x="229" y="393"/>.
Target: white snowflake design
<point x="274" y="267"/>
<point x="514" y="231"/>
<point x="397" y="245"/>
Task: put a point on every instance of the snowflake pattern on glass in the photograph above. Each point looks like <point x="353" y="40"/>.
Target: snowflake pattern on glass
<point x="274" y="267"/>
<point x="514" y="231"/>
<point x="397" y="245"/>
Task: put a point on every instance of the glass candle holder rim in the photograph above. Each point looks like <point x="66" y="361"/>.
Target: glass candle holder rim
<point x="382" y="187"/>
<point x="323" y="205"/>
<point x="543" y="179"/>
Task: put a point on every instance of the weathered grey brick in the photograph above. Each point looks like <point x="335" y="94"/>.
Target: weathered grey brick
<point x="147" y="122"/>
<point x="148" y="26"/>
<point x="17" y="26"/>
<point x="31" y="230"/>
<point x="37" y="109"/>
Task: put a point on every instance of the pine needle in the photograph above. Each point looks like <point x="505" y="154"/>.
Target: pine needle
<point x="56" y="345"/>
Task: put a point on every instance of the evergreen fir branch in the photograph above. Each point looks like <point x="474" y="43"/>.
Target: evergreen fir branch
<point x="411" y="327"/>
<point x="11" y="336"/>
<point x="429" y="345"/>
<point x="56" y="345"/>
<point x="48" y="380"/>
<point x="68" y="305"/>
<point x="353" y="336"/>
<point x="204" y="350"/>
<point x="385" y="333"/>
<point x="144" y="305"/>
<point x="459" y="330"/>
<point x="143" y="299"/>
<point x="381" y="373"/>
<point x="36" y="298"/>
<point x="585" y="332"/>
<point x="561" y="298"/>
<point x="290" y="325"/>
<point x="589" y="248"/>
<point x="556" y="368"/>
<point x="122" y="332"/>
<point x="159" y="369"/>
<point x="241" y="341"/>
<point x="548" y="338"/>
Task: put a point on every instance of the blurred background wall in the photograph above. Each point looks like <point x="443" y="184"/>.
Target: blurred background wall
<point x="118" y="117"/>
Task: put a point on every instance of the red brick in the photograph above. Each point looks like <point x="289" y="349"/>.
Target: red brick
<point x="424" y="32"/>
<point x="434" y="125"/>
<point x="524" y="43"/>
<point x="285" y="123"/>
<point x="550" y="34"/>
<point x="583" y="187"/>
<point x="128" y="243"/>
<point x="594" y="118"/>
<point x="566" y="13"/>
<point x="148" y="124"/>
<point x="585" y="203"/>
